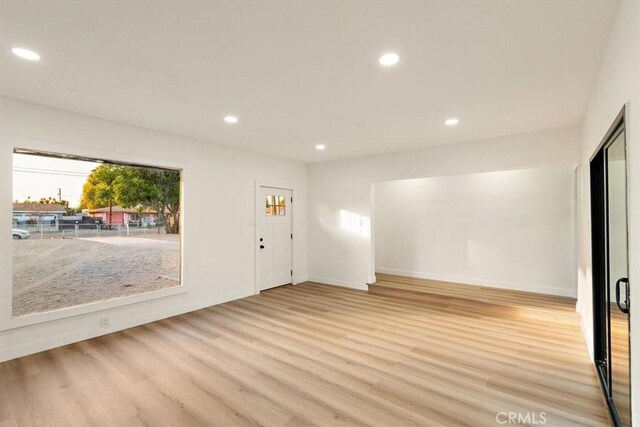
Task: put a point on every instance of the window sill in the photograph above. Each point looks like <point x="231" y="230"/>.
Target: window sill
<point x="94" y="307"/>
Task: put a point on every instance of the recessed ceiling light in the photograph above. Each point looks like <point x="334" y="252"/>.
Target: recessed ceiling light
<point x="25" y="54"/>
<point x="451" y="122"/>
<point x="231" y="119"/>
<point x="389" y="59"/>
<point x="320" y="147"/>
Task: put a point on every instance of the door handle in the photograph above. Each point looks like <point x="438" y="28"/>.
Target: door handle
<point x="261" y="246"/>
<point x="624" y="309"/>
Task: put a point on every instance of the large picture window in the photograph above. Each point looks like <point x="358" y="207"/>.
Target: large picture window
<point x="89" y="230"/>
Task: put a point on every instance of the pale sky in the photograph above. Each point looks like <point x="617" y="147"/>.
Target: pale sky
<point x="38" y="176"/>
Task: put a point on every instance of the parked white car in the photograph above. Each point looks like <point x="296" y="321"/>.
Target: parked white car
<point x="20" y="234"/>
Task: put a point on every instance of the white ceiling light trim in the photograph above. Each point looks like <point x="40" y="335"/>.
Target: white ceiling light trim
<point x="320" y="147"/>
<point x="389" y="59"/>
<point x="231" y="119"/>
<point x="452" y="121"/>
<point x="25" y="54"/>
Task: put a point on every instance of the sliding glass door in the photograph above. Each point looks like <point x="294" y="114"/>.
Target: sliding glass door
<point x="618" y="276"/>
<point x="611" y="287"/>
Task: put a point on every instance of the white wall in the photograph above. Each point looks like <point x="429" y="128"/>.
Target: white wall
<point x="618" y="84"/>
<point x="219" y="240"/>
<point x="509" y="229"/>
<point x="341" y="252"/>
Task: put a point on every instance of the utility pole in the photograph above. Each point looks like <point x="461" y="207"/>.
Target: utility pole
<point x="60" y="195"/>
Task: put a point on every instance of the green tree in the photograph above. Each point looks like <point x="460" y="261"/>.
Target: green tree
<point x="64" y="203"/>
<point x="149" y="188"/>
<point x="135" y="187"/>
<point x="99" y="189"/>
<point x="53" y="201"/>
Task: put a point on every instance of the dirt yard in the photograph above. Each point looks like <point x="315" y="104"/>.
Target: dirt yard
<point x="50" y="274"/>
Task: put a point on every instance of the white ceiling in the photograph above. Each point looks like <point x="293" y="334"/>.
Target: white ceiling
<point x="304" y="73"/>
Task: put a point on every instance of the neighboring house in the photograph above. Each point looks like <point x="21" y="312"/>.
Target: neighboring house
<point x="121" y="216"/>
<point x="23" y="212"/>
<point x="37" y="216"/>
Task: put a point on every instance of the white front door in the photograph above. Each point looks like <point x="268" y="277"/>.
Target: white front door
<point x="274" y="237"/>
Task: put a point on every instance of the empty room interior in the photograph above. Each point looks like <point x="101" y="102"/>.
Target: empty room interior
<point x="319" y="213"/>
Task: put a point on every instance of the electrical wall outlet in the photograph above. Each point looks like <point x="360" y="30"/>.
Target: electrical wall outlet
<point x="105" y="322"/>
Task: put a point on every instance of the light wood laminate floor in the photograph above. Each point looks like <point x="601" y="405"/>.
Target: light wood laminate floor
<point x="320" y="355"/>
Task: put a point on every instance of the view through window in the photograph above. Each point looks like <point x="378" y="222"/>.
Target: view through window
<point x="90" y="230"/>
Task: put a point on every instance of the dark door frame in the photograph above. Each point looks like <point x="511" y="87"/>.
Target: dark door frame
<point x="600" y="263"/>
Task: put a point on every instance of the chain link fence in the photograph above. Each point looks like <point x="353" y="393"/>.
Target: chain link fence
<point x="55" y="229"/>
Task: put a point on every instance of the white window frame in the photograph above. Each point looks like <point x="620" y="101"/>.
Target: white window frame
<point x="7" y="320"/>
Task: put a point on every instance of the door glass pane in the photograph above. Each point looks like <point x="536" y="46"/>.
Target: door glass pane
<point x="280" y="206"/>
<point x="618" y="269"/>
<point x="275" y="205"/>
<point x="269" y="205"/>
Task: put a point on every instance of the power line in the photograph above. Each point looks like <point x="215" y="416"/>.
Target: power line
<point x="50" y="172"/>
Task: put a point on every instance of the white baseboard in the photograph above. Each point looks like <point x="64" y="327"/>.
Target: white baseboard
<point x="549" y="290"/>
<point x="337" y="282"/>
<point x="299" y="279"/>
<point x="587" y="342"/>
<point x="587" y="330"/>
<point x="85" y="334"/>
